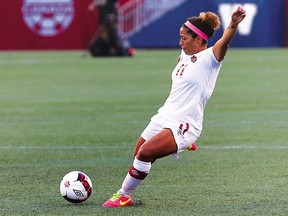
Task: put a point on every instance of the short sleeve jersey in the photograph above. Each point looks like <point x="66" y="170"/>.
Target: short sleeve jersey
<point x="193" y="81"/>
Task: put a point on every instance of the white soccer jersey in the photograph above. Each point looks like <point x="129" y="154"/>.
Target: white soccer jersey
<point x="193" y="81"/>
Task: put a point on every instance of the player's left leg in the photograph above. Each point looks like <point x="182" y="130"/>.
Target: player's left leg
<point x="139" y="143"/>
<point x="162" y="144"/>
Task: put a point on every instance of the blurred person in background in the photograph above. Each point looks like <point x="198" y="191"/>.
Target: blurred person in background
<point x="106" y="41"/>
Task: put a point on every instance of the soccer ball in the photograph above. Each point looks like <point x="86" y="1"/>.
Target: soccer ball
<point x="76" y="187"/>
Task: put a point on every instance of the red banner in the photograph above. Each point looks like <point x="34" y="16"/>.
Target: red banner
<point x="46" y="24"/>
<point x="68" y="24"/>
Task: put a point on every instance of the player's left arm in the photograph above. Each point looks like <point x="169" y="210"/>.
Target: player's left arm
<point x="221" y="46"/>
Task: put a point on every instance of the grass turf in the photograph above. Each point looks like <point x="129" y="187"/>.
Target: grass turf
<point x="61" y="112"/>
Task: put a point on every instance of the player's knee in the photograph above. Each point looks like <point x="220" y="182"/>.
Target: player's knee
<point x="145" y="155"/>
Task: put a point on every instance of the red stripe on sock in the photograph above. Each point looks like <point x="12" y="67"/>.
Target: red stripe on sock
<point x="137" y="174"/>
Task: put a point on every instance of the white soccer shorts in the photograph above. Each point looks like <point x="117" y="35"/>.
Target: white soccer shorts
<point x="182" y="132"/>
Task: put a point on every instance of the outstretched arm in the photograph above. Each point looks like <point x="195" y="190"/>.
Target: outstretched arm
<point x="221" y="46"/>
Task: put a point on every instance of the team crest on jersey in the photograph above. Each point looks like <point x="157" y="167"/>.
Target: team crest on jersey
<point x="193" y="58"/>
<point x="48" y="17"/>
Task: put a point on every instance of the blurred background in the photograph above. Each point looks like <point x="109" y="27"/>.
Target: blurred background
<point x="70" y="25"/>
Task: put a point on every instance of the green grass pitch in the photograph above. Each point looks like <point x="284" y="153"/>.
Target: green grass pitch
<point x="61" y="112"/>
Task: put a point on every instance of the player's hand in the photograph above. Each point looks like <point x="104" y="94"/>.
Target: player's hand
<point x="238" y="15"/>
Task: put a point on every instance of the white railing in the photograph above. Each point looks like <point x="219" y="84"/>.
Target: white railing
<point x="137" y="14"/>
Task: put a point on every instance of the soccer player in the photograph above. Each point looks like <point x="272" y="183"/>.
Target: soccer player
<point x="178" y="123"/>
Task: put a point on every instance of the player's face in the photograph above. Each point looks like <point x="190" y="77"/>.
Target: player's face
<point x="187" y="42"/>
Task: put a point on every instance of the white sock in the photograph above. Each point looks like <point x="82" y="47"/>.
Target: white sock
<point x="135" y="176"/>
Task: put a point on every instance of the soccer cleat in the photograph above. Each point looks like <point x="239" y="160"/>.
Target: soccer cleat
<point x="118" y="200"/>
<point x="192" y="147"/>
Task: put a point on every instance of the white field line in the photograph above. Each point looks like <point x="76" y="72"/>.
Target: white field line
<point x="119" y="146"/>
<point x="56" y="147"/>
<point x="244" y="147"/>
